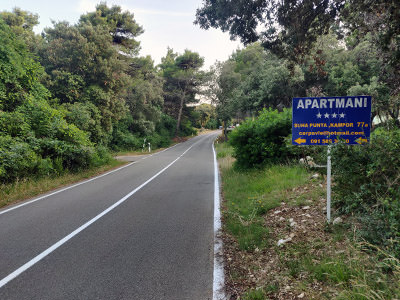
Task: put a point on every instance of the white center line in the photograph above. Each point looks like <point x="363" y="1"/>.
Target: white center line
<point x="49" y="250"/>
<point x="77" y="184"/>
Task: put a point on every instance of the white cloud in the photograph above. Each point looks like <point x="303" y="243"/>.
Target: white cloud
<point x="85" y="6"/>
<point x="161" y="12"/>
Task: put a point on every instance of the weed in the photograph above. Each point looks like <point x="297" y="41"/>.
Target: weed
<point x="27" y="188"/>
<point x="257" y="294"/>
<point x="251" y="194"/>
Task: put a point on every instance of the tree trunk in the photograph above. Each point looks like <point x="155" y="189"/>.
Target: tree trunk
<point x="178" y="123"/>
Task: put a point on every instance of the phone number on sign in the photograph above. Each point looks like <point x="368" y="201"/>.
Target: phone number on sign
<point x="328" y="141"/>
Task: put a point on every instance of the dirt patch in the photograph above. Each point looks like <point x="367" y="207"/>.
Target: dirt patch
<point x="295" y="231"/>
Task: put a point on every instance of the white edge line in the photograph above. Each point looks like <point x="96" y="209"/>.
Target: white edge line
<point x="49" y="250"/>
<point x="218" y="274"/>
<point x="77" y="184"/>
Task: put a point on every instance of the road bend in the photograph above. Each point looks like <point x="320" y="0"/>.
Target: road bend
<point x="142" y="232"/>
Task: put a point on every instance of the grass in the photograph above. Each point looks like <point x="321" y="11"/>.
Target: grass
<point x="27" y="188"/>
<point x="352" y="274"/>
<point x="250" y="194"/>
<point x="255" y="295"/>
<point x="327" y="264"/>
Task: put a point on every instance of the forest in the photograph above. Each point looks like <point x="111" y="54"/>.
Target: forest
<point x="76" y="93"/>
<point x="310" y="49"/>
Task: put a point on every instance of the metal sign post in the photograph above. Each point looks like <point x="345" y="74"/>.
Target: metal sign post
<point x="328" y="185"/>
<point x="326" y="121"/>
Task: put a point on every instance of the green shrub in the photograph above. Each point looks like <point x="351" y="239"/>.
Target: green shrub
<point x="211" y="124"/>
<point x="124" y="140"/>
<point x="17" y="159"/>
<point x="159" y="140"/>
<point x="13" y="124"/>
<point x="262" y="141"/>
<point x="367" y="184"/>
<point x="187" y="129"/>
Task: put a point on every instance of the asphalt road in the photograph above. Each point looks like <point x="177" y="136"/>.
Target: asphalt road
<point x="142" y="232"/>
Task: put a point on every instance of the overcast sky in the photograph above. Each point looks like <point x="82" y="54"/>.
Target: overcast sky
<point x="166" y="23"/>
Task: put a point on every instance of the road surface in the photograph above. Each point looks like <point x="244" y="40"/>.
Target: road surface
<point x="145" y="231"/>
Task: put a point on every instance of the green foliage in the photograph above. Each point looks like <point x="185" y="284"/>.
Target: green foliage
<point x="342" y="77"/>
<point x="250" y="194"/>
<point x="14" y="124"/>
<point x="84" y="66"/>
<point x="21" y="24"/>
<point x="280" y="19"/>
<point x="186" y="128"/>
<point x="262" y="141"/>
<point x="144" y="96"/>
<point x="17" y="159"/>
<point x="19" y="73"/>
<point x="367" y="185"/>
<point x="205" y="114"/>
<point x="121" y="26"/>
<point x="35" y="138"/>
<point x="87" y="117"/>
<point x="183" y="79"/>
<point x="253" y="79"/>
<point x="257" y="294"/>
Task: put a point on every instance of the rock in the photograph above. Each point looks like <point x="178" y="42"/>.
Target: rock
<point x="281" y="242"/>
<point x="306" y="207"/>
<point x="277" y="212"/>
<point x="338" y="220"/>
<point x="284" y="241"/>
<point x="293" y="224"/>
<point x="301" y="296"/>
<point x="291" y="220"/>
<point x="316" y="175"/>
<point x="281" y="219"/>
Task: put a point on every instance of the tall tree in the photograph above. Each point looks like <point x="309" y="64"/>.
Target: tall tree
<point x="288" y="27"/>
<point x="84" y="66"/>
<point x="145" y="95"/>
<point x="183" y="79"/>
<point x="19" y="72"/>
<point x="121" y="26"/>
<point x="21" y="22"/>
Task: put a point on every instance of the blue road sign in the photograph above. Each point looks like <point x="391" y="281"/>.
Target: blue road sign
<point x="328" y="120"/>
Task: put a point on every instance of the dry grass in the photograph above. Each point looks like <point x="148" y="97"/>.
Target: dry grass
<point x="28" y="188"/>
<point x="317" y="261"/>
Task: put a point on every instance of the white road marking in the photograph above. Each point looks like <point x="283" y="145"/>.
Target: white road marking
<point x="219" y="278"/>
<point x="77" y="184"/>
<point x="49" y="250"/>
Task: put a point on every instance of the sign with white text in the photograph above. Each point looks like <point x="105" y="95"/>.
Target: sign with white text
<point x="328" y="120"/>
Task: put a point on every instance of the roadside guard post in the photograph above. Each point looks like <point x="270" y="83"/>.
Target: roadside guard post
<point x="326" y="121"/>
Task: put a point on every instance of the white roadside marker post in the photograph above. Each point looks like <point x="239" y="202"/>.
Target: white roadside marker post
<point x="328" y="185"/>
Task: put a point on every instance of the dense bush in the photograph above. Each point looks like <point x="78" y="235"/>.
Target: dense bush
<point x="34" y="157"/>
<point x="212" y="124"/>
<point x="367" y="184"/>
<point x="186" y="129"/>
<point x="261" y="141"/>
